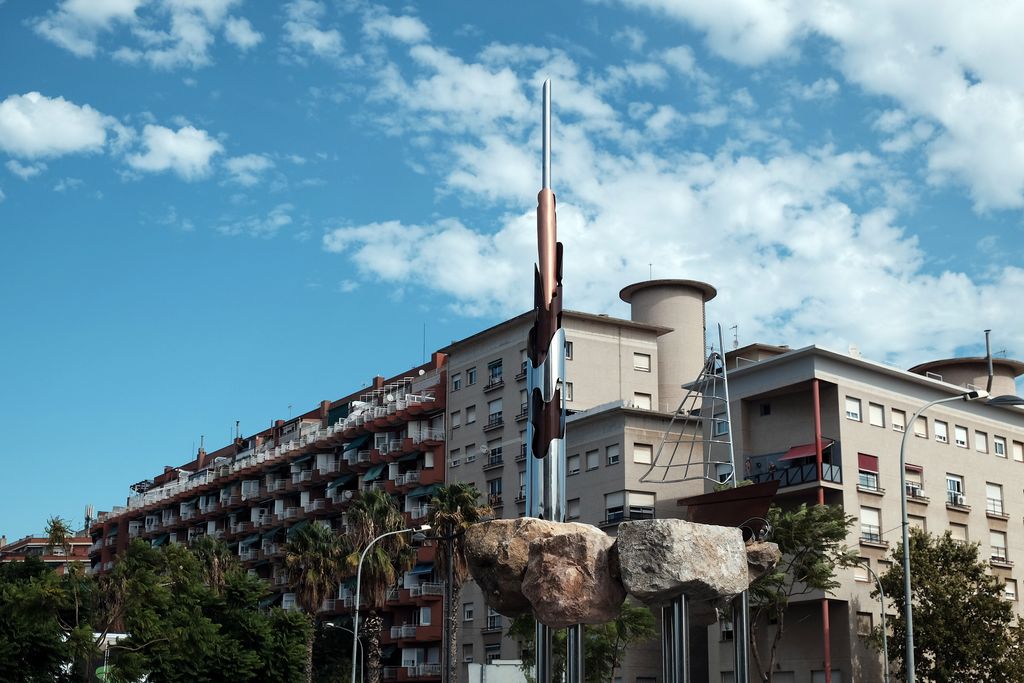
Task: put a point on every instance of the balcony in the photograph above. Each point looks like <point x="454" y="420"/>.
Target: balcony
<point x="957" y="501"/>
<point x="276" y="485"/>
<point x="494" y="421"/>
<point x="994" y="509"/>
<point x="400" y="632"/>
<point x="871" y="534"/>
<point x="424" y="435"/>
<point x="521" y="495"/>
<point x="302" y="476"/>
<point x="426" y="670"/>
<point x="915" y="494"/>
<point x="494" y="459"/>
<point x="494" y="500"/>
<point x="248" y="554"/>
<point x="797" y="465"/>
<point x="524" y="412"/>
<point x="493" y="624"/>
<point x="419" y="512"/>
<point x="614" y="516"/>
<point x="521" y="375"/>
<point x="999" y="559"/>
<point x="394" y="446"/>
<point x="521" y="456"/>
<point x="494" y="383"/>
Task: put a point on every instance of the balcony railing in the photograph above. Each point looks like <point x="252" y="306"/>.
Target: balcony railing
<point x="494" y="459"/>
<point x="795" y="472"/>
<point x="419" y="512"/>
<point x="428" y="435"/>
<point x="494" y="383"/>
<point x="494" y="420"/>
<point x="871" y="533"/>
<point x="994" y="506"/>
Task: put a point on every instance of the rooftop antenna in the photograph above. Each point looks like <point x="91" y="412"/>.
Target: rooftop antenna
<point x="238" y="429"/>
<point x="202" y="441"/>
<point x="735" y="336"/>
<point x="650" y="271"/>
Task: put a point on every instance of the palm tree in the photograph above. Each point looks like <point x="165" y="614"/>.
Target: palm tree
<point x="315" y="562"/>
<point x="216" y="560"/>
<point x="454" y="508"/>
<point x="370" y="515"/>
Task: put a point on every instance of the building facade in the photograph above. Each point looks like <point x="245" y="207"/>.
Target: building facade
<point x="964" y="462"/>
<point x="256" y="492"/>
<point x="54" y="557"/>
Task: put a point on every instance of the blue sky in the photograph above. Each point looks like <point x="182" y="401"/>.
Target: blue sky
<point x="212" y="211"/>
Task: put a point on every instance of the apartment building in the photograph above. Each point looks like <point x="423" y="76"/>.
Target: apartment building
<point x="256" y="492"/>
<point x="964" y="468"/>
<point x="623" y="381"/>
<point x="38" y="547"/>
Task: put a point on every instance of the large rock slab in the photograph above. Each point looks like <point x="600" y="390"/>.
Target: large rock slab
<point x="661" y="559"/>
<point x="497" y="553"/>
<point x="573" y="578"/>
<point x="761" y="559"/>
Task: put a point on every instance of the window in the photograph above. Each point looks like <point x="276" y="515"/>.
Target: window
<point x="994" y="498"/>
<point x="628" y="505"/>
<point x="643" y="453"/>
<point x="642" y="401"/>
<point x="612" y="454"/>
<point x="865" y="622"/>
<point x="1018" y="451"/>
<point x="456" y="381"/>
<point x="467" y="652"/>
<point x="1010" y="589"/>
<point x="494" y="412"/>
<point x="719" y="425"/>
<point x="860" y="570"/>
<point x="876" y="415"/>
<point x="522" y="484"/>
<point x="641" y="505"/>
<point x="871" y="524"/>
<point x="467" y="611"/>
<point x="494" y="372"/>
<point x="765" y="409"/>
<point x="593" y="459"/>
<point x="494" y="491"/>
<point x="921" y="427"/>
<point x="456" y="419"/>
<point x="470" y="452"/>
<point x="999" y="446"/>
<point x="494" y="452"/>
<point x="568" y="350"/>
<point x="955" y="489"/>
<point x="470" y="377"/>
<point x="899" y="420"/>
<point x="454" y="457"/>
<point x="960" y="436"/>
<point x="568" y="391"/>
<point x="916" y="522"/>
<point x="867" y="466"/>
<point x="980" y="441"/>
<point x="424" y="617"/>
<point x="470" y="414"/>
<point x="853" y="408"/>
<point x="573" y="509"/>
<point x="725" y="629"/>
<point x="572" y="464"/>
<point x="958" y="532"/>
<point x="941" y="431"/>
<point x="642" y="362"/>
<point x="493" y="651"/>
<point x="997" y="540"/>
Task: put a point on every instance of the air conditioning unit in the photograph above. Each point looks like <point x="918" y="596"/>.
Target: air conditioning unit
<point x="960" y="499"/>
<point x="467" y="659"/>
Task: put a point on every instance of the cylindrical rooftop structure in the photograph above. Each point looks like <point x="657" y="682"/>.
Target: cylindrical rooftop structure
<point x="973" y="372"/>
<point x="679" y="305"/>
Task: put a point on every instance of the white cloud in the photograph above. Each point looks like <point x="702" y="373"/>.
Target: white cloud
<point x="927" y="57"/>
<point x="248" y="170"/>
<point x="302" y="30"/>
<point x="76" y="24"/>
<point x="33" y="125"/>
<point x="187" y="151"/>
<point x="2" y="196"/>
<point x="346" y="286"/>
<point x="821" y="89"/>
<point x="65" y="184"/>
<point x="240" y="33"/>
<point x="631" y="37"/>
<point x="406" y="29"/>
<point x="25" y="171"/>
<point x="259" y="226"/>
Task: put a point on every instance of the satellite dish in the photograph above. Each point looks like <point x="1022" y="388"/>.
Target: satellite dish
<point x="483" y="449"/>
<point x="390" y="398"/>
<point x="422" y="372"/>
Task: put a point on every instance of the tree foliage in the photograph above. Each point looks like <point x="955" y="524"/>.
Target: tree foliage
<point x="605" y="645"/>
<point x="963" y="626"/>
<point x="811" y="541"/>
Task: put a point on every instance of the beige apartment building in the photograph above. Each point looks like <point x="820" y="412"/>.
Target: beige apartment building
<point x="624" y="379"/>
<point x="964" y="470"/>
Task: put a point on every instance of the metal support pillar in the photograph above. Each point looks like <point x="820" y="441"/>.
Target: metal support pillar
<point x="741" y="637"/>
<point x="675" y="642"/>
<point x="574" y="655"/>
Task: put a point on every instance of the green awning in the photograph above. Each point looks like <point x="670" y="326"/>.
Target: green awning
<point x="408" y="458"/>
<point x="387" y="651"/>
<point x="249" y="541"/>
<point x="357" y="443"/>
<point x="337" y="413"/>
<point x="160" y="540"/>
<point x="340" y="481"/>
<point x="112" y="532"/>
<point x="272" y="600"/>
<point x="303" y="459"/>
<point x="293" y="529"/>
<point x="270" y="534"/>
<point x="373" y="473"/>
<point x="424" y="491"/>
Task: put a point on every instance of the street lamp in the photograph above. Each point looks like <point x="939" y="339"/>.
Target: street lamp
<point x="881" y="597"/>
<point x="355" y="662"/>
<point x="359" y="579"/>
<point x="907" y="609"/>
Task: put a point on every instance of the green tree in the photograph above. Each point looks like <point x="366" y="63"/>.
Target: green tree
<point x="216" y="561"/>
<point x="605" y="645"/>
<point x="315" y="561"/>
<point x="371" y="515"/>
<point x="811" y="541"/>
<point x="454" y="508"/>
<point x="32" y="645"/>
<point x="962" y="622"/>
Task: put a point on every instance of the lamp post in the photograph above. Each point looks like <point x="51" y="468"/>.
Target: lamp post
<point x="907" y="608"/>
<point x="881" y="597"/>
<point x="359" y="579"/>
<point x="358" y="661"/>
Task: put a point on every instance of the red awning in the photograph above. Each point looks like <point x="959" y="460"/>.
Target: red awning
<point x="867" y="463"/>
<point x="806" y="450"/>
<point x="914" y="468"/>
